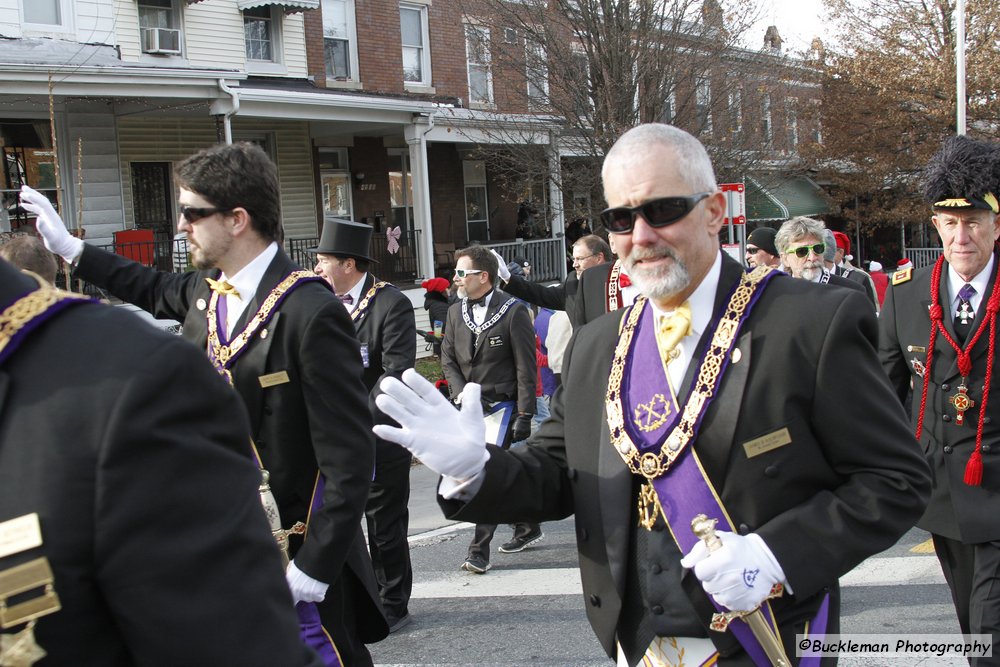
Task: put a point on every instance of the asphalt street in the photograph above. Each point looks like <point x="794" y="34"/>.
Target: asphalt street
<point x="529" y="609"/>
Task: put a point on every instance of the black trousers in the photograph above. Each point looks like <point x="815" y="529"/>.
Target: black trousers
<point x="973" y="575"/>
<point x="388" y="522"/>
<point x="483" y="535"/>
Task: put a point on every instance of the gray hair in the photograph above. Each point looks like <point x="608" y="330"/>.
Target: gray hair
<point x="691" y="158"/>
<point x="831" y="245"/>
<point x="797" y="228"/>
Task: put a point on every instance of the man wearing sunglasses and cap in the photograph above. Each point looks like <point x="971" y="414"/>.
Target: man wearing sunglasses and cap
<point x="708" y="396"/>
<point x="938" y="335"/>
<point x="286" y="344"/>
<point x="761" y="250"/>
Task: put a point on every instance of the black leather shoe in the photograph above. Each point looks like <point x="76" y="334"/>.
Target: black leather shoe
<point x="521" y="543"/>
<point x="399" y="623"/>
<point x="476" y="565"/>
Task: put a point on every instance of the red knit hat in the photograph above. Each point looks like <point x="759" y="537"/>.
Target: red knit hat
<point x="435" y="285"/>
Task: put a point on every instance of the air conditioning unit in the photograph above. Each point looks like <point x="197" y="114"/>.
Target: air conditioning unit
<point x="165" y="41"/>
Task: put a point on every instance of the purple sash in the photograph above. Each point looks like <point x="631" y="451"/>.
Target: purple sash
<point x="651" y="413"/>
<point x="36" y="307"/>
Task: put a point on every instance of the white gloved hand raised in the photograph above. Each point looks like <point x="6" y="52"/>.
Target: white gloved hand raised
<point x="304" y="588"/>
<point x="449" y="442"/>
<point x="50" y="225"/>
<point x="502" y="271"/>
<point x="740" y="574"/>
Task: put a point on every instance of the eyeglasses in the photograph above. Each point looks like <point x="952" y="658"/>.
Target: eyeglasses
<point x="461" y="273"/>
<point x="752" y="250"/>
<point x="657" y="213"/>
<point x="193" y="214"/>
<point x="802" y="251"/>
<point x="577" y="260"/>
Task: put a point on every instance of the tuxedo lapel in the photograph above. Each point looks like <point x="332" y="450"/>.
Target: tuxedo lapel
<point x="615" y="483"/>
<point x="495" y="302"/>
<point x="368" y="282"/>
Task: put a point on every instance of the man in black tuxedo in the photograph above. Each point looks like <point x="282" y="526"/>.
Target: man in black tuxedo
<point x="288" y="347"/>
<point x="387" y="331"/>
<point x="125" y="456"/>
<point x="489" y="341"/>
<point x="588" y="251"/>
<point x="936" y="335"/>
<point x="803" y="493"/>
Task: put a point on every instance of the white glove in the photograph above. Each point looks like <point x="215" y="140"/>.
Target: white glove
<point x="50" y="225"/>
<point x="449" y="442"/>
<point x="502" y="271"/>
<point x="740" y="574"/>
<point x="304" y="588"/>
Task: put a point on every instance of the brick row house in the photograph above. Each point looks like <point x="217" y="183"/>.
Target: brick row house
<point x="373" y="110"/>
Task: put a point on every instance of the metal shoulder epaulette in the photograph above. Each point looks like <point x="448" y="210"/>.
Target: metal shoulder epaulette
<point x="902" y="276"/>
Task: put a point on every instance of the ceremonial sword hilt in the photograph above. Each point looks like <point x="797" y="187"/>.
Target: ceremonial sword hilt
<point x="704" y="528"/>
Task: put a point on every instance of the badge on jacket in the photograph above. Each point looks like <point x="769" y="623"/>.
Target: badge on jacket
<point x="496" y="341"/>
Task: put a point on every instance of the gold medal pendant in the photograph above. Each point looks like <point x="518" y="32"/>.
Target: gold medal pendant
<point x="648" y="505"/>
<point x="21" y="649"/>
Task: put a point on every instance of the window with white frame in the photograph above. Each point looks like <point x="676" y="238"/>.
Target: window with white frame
<point x="817" y="123"/>
<point x="477" y="217"/>
<point x="261" y="28"/>
<point x="414" y="35"/>
<point x="791" y="126"/>
<point x="703" y="103"/>
<point x="159" y="27"/>
<point x="536" y="67"/>
<point x="48" y="14"/>
<point x="340" y="40"/>
<point x="583" y="102"/>
<point x="766" y="119"/>
<point x="335" y="182"/>
<point x="736" y="109"/>
<point x="477" y="58"/>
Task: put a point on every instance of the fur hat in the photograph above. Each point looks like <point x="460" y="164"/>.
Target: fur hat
<point x="963" y="174"/>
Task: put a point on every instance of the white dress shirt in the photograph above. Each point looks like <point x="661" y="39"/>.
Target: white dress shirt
<point x="246" y="281"/>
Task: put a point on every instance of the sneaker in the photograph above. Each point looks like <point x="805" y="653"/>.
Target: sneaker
<point x="521" y="543"/>
<point x="476" y="565"/>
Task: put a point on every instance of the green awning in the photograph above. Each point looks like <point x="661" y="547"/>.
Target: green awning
<point x="783" y="198"/>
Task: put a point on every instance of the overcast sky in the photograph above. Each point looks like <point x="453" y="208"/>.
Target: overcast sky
<point x="798" y="21"/>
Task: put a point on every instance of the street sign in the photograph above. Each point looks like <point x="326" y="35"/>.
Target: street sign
<point x="733" y="250"/>
<point x="736" y="203"/>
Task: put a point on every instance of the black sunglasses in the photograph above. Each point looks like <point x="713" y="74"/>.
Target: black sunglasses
<point x="193" y="214"/>
<point x="657" y="213"/>
<point x="802" y="251"/>
<point x="752" y="250"/>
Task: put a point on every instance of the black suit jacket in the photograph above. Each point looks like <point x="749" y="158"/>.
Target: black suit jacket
<point x="388" y="331"/>
<point x="553" y="298"/>
<point x="503" y="361"/>
<point x="956" y="510"/>
<point x="318" y="420"/>
<point x="592" y="296"/>
<point x="849" y="483"/>
<point x="133" y="452"/>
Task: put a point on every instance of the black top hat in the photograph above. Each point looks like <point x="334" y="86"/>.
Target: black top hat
<point x="343" y="237"/>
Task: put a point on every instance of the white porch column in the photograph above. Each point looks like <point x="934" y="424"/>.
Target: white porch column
<point x="557" y="216"/>
<point x="416" y="138"/>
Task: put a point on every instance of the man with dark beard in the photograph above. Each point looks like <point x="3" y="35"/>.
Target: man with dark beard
<point x="637" y="446"/>
<point x="286" y="344"/>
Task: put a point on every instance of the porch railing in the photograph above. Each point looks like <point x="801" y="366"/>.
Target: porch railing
<point x="546" y="256"/>
<point x="920" y="256"/>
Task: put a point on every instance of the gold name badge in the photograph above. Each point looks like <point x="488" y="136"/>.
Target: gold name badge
<point x="20" y="534"/>
<point x="271" y="379"/>
<point x="766" y="443"/>
<point x="22" y="578"/>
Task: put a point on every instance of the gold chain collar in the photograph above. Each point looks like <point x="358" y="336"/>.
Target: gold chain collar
<point x="653" y="464"/>
<point x="358" y="312"/>
<point x="30" y="306"/>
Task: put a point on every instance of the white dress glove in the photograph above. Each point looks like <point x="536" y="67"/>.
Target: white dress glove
<point x="449" y="442"/>
<point x="50" y="225"/>
<point x="304" y="588"/>
<point x="502" y="271"/>
<point x="740" y="574"/>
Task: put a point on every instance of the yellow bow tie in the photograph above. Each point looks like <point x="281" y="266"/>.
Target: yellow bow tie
<point x="672" y="329"/>
<point x="222" y="287"/>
